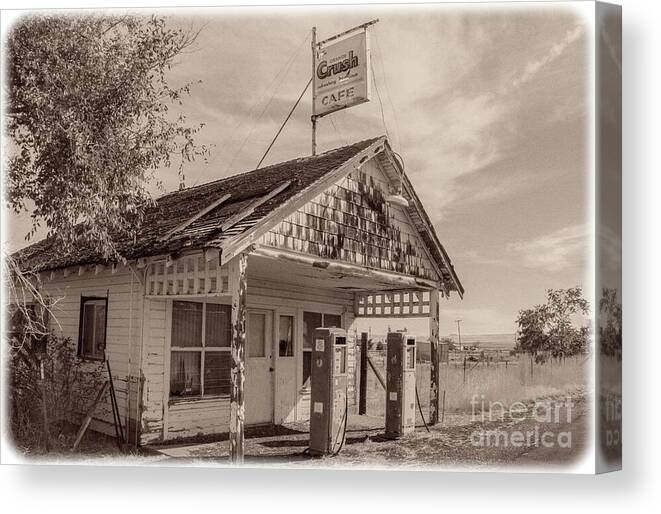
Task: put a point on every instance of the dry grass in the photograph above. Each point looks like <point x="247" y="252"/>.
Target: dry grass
<point x="493" y="383"/>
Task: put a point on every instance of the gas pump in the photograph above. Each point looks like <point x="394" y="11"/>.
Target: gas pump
<point x="328" y="398"/>
<point x="400" y="385"/>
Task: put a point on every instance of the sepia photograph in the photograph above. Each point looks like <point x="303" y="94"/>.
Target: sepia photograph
<point x="331" y="237"/>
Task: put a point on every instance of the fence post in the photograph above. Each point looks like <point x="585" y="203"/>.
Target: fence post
<point x="362" y="399"/>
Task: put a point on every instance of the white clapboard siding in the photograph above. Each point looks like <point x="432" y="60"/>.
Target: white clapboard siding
<point x="124" y="327"/>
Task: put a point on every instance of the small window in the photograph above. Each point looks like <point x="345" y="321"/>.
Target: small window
<point x="332" y="320"/>
<point x="92" y="331"/>
<point x="286" y="336"/>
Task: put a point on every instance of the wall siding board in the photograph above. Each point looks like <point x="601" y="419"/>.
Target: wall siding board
<point x="123" y="328"/>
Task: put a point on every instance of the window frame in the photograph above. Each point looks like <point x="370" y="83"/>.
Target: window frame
<point x="202" y="350"/>
<point x="81" y="319"/>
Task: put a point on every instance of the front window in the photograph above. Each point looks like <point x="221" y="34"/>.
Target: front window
<point x="92" y="335"/>
<point x="200" y="349"/>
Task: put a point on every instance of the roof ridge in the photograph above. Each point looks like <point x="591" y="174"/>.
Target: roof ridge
<point x="282" y="163"/>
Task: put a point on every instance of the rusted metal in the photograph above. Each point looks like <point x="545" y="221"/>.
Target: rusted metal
<point x="435" y="378"/>
<point x="239" y="290"/>
<point x="347" y="32"/>
<point x="119" y="430"/>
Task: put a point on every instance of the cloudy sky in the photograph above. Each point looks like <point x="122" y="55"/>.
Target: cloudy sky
<point x="487" y="106"/>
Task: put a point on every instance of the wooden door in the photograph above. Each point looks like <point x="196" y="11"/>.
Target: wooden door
<point x="259" y="367"/>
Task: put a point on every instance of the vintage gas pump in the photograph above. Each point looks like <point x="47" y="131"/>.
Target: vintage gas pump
<point x="328" y="399"/>
<point x="400" y="385"/>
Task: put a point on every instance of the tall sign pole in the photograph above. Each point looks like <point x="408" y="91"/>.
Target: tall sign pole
<point x="340" y="73"/>
<point x="314" y="90"/>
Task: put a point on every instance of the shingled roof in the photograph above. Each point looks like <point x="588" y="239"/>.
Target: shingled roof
<point x="158" y="234"/>
<point x="173" y="209"/>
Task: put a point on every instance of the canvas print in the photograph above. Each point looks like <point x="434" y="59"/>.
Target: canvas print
<point x="358" y="236"/>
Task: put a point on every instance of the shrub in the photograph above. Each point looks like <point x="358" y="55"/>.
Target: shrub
<point x="68" y="388"/>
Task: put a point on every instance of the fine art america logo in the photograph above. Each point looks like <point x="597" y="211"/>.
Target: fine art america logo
<point x="547" y="415"/>
<point x="324" y="70"/>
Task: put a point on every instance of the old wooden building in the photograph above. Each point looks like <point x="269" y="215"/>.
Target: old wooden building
<point x="290" y="247"/>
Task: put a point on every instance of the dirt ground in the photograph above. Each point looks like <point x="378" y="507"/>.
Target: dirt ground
<point x="543" y="432"/>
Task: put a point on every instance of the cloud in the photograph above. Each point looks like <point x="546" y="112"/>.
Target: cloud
<point x="475" y="257"/>
<point x="533" y="67"/>
<point x="555" y="251"/>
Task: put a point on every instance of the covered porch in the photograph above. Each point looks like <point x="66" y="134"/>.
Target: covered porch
<point x="273" y="300"/>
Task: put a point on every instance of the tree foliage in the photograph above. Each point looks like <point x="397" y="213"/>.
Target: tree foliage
<point x="90" y="122"/>
<point x="548" y="329"/>
<point x="66" y="390"/>
<point x="610" y="323"/>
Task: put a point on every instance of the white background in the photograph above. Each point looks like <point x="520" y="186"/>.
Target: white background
<point x="114" y="489"/>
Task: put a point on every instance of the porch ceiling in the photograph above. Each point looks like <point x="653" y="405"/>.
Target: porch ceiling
<point x="320" y="273"/>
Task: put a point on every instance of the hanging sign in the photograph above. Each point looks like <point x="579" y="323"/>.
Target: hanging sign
<point x="341" y="74"/>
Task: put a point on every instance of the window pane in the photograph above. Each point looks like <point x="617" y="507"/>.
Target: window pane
<point x="186" y="324"/>
<point x="332" y="320"/>
<point x="217" y="372"/>
<point x="218" y="331"/>
<point x="99" y="329"/>
<point x="286" y="336"/>
<point x="88" y="330"/>
<point x="311" y="320"/>
<point x="256" y="335"/>
<point x="185" y="373"/>
<point x="307" y="367"/>
<point x="93" y="331"/>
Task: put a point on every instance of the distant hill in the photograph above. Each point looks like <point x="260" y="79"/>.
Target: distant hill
<point x="486" y="341"/>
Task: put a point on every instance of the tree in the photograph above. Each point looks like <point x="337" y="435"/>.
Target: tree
<point x="89" y="120"/>
<point x="547" y="329"/>
<point x="90" y="123"/>
<point x="610" y="323"/>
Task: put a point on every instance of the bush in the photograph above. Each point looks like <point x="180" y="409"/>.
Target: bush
<point x="67" y="391"/>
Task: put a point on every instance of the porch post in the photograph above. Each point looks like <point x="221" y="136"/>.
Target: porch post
<point x="435" y="378"/>
<point x="239" y="289"/>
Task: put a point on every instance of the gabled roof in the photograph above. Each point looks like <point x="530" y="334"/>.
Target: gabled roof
<point x="175" y="225"/>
